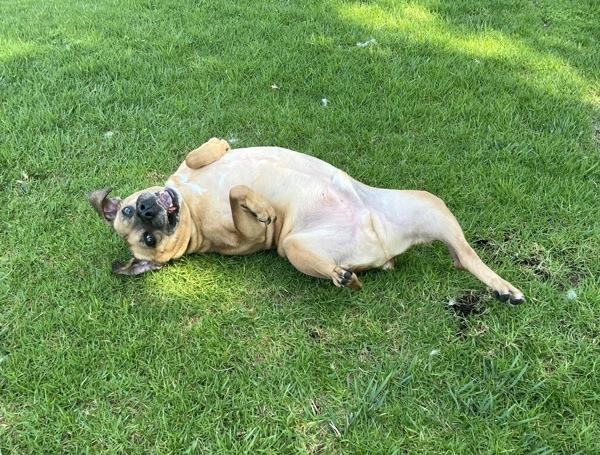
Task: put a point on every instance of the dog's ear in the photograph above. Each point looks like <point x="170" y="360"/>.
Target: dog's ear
<point x="107" y="208"/>
<point x="134" y="267"/>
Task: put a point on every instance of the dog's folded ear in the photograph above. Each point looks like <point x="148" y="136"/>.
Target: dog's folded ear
<point x="134" y="267"/>
<point x="107" y="208"/>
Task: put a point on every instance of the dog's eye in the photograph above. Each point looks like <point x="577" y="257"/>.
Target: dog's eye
<point x="149" y="240"/>
<point x="127" y="211"/>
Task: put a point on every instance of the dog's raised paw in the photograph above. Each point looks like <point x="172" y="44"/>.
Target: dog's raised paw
<point x="207" y="153"/>
<point x="266" y="216"/>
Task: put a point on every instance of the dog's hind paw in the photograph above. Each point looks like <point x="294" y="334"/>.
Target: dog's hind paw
<point x="512" y="298"/>
<point x="343" y="276"/>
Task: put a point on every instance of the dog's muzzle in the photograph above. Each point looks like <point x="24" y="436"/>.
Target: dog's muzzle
<point x="159" y="210"/>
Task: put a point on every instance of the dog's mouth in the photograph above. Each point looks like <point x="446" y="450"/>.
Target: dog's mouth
<point x="169" y="200"/>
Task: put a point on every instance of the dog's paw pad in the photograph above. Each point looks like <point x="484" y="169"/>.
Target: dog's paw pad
<point x="513" y="299"/>
<point x="516" y="300"/>
<point x="501" y="297"/>
<point x="343" y="276"/>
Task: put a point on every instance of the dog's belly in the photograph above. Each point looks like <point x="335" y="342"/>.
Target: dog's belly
<point x="293" y="183"/>
<point x="311" y="198"/>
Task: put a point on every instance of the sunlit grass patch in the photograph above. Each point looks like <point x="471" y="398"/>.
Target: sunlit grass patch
<point x="11" y="48"/>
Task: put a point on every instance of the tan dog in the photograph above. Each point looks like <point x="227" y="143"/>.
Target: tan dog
<point x="327" y="224"/>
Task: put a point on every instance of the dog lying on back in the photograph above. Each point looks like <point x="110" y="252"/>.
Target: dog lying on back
<point x="327" y="224"/>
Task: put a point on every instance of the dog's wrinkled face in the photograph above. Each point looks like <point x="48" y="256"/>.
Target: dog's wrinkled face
<point x="148" y="222"/>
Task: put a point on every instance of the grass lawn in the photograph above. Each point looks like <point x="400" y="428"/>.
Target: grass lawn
<point x="493" y="106"/>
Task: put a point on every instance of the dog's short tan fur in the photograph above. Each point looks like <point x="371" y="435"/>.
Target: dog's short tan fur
<point x="327" y="224"/>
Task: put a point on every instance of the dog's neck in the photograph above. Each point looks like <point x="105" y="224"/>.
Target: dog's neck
<point x="193" y="232"/>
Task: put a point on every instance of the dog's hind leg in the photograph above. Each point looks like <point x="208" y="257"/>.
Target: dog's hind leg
<point x="407" y="218"/>
<point x="466" y="259"/>
<point x="443" y="226"/>
<point x="298" y="251"/>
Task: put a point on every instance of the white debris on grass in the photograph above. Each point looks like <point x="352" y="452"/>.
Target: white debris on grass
<point x="571" y="295"/>
<point x="25" y="180"/>
<point x="366" y="43"/>
<point x="324" y="102"/>
<point x="109" y="134"/>
<point x="434" y="352"/>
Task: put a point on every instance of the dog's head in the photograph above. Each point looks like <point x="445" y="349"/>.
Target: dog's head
<point x="152" y="223"/>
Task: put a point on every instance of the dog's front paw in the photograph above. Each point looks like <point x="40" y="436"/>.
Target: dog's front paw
<point x="343" y="276"/>
<point x="207" y="153"/>
<point x="263" y="212"/>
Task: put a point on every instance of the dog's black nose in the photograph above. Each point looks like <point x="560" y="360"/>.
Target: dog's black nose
<point x="147" y="207"/>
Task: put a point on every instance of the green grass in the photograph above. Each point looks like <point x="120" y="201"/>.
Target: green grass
<point x="493" y="106"/>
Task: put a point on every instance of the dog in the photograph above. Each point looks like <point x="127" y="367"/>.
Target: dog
<point x="327" y="224"/>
